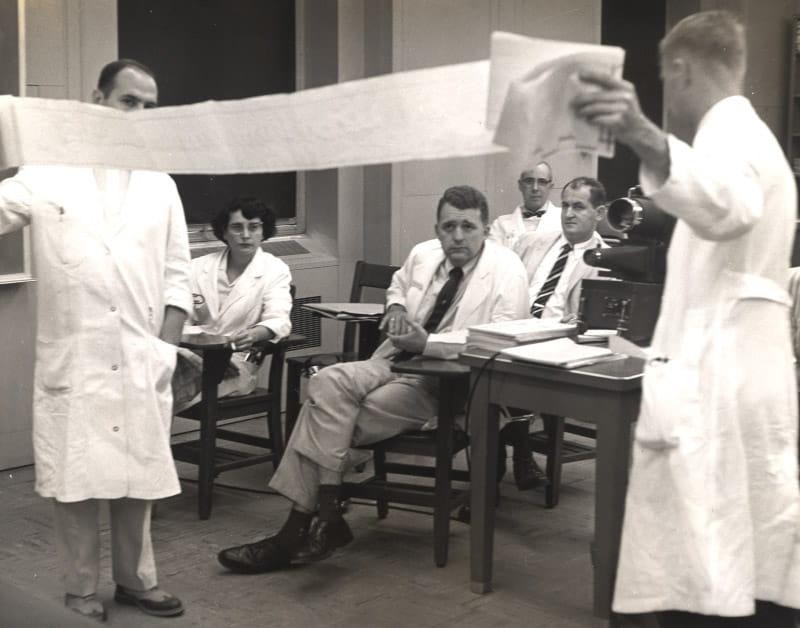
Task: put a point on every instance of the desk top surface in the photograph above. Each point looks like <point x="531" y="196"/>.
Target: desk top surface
<point x="621" y="375"/>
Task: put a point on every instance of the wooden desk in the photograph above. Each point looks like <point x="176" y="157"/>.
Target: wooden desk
<point x="605" y="394"/>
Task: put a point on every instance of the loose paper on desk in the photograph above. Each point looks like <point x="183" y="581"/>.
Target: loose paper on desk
<point x="347" y="310"/>
<point x="561" y="352"/>
<point x="447" y="111"/>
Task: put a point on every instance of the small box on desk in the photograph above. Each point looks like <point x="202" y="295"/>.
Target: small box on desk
<point x="604" y="302"/>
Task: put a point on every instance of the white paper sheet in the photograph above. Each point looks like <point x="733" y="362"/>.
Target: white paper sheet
<point x="435" y="113"/>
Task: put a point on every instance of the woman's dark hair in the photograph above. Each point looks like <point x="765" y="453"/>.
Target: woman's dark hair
<point x="250" y="207"/>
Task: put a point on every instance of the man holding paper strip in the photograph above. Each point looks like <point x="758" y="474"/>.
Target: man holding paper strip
<point x="112" y="260"/>
<point x="712" y="522"/>
<point x="444" y="286"/>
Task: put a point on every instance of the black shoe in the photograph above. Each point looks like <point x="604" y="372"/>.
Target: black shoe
<point x="168" y="606"/>
<point x="528" y="474"/>
<point x="324" y="538"/>
<point x="258" y="557"/>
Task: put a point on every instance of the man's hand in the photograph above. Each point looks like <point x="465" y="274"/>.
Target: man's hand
<point x="414" y="339"/>
<point x="611" y="103"/>
<point x="394" y="322"/>
<point x="246" y="338"/>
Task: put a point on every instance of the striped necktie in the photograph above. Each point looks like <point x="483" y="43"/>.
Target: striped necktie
<point x="549" y="286"/>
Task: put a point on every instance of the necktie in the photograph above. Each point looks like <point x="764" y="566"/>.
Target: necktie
<point x="529" y="214"/>
<point x="443" y="302"/>
<point x="549" y="286"/>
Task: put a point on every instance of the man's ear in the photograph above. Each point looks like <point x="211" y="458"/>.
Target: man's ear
<point x="97" y="97"/>
<point x="601" y="212"/>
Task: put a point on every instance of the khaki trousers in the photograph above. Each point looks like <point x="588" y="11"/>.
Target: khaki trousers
<point x="350" y="403"/>
<point x="77" y="529"/>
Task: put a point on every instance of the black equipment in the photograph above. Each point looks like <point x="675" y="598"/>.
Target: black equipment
<point x="639" y="264"/>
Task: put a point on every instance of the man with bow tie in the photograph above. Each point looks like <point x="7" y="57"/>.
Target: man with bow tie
<point x="535" y="213"/>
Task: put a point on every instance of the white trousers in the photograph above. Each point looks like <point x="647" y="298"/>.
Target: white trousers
<point x="78" y="539"/>
<point x="350" y="403"/>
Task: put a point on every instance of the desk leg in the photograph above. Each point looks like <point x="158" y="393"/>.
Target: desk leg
<point x="208" y="436"/>
<point x="368" y="336"/>
<point x="611" y="483"/>
<point x="444" y="463"/>
<point x="483" y="424"/>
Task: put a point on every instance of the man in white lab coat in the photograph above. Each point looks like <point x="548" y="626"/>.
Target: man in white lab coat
<point x="112" y="260"/>
<point x="711" y="535"/>
<point x="443" y="287"/>
<point x="535" y="213"/>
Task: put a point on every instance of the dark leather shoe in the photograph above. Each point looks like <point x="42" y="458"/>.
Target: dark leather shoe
<point x="258" y="557"/>
<point x="528" y="474"/>
<point x="324" y="538"/>
<point x="167" y="606"/>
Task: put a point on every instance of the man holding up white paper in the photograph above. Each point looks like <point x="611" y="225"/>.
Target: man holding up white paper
<point x="712" y="521"/>
<point x="112" y="260"/>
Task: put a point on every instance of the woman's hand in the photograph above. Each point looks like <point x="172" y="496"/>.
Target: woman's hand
<point x="245" y="339"/>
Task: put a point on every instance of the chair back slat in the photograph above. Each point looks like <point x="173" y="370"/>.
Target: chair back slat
<point x="365" y="275"/>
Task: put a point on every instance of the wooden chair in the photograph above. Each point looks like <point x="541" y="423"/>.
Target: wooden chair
<point x="441" y="444"/>
<point x="365" y="275"/>
<point x="559" y="450"/>
<point x="204" y="451"/>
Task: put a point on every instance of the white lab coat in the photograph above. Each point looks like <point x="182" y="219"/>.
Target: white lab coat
<point x="260" y="296"/>
<point x="497" y="291"/>
<point x="508" y="228"/>
<point x="102" y="398"/>
<point x="712" y="517"/>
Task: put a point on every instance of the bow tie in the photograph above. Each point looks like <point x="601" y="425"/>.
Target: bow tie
<point x="529" y="214"/>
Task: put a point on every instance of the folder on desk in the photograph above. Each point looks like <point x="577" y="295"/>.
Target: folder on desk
<point x="561" y="352"/>
<point x="346" y="310"/>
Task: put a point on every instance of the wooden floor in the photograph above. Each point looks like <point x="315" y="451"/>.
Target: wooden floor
<point x="386" y="577"/>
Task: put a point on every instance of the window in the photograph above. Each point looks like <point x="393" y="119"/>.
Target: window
<point x="217" y="49"/>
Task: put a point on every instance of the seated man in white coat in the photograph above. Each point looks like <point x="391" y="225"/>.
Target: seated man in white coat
<point x="445" y="285"/>
<point x="535" y="213"/>
<point x="555" y="267"/>
<point x="241" y="292"/>
<point x="112" y="258"/>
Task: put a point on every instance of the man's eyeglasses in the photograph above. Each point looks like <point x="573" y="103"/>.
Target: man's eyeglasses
<point x="530" y="181"/>
<point x="252" y="227"/>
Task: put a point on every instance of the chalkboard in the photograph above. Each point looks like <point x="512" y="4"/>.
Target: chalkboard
<point x="216" y="50"/>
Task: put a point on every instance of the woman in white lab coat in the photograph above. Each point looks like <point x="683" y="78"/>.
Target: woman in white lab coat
<point x="241" y="292"/>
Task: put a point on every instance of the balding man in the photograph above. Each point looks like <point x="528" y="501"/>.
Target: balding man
<point x="712" y="520"/>
<point x="112" y="259"/>
<point x="535" y="213"/>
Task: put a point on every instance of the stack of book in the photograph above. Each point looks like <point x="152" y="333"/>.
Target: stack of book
<point x="497" y="336"/>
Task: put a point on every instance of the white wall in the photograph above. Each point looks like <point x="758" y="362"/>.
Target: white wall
<point x="436" y="32"/>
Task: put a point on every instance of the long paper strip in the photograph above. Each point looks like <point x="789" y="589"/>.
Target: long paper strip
<point x="424" y="114"/>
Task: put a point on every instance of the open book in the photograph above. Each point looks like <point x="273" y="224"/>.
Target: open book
<point x="346" y="311"/>
<point x="496" y="336"/>
<point x="561" y="352"/>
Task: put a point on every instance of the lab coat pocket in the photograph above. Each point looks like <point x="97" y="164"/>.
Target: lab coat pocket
<point x="670" y="404"/>
<point x="65" y="237"/>
<point x="165" y="356"/>
<point x="54" y="370"/>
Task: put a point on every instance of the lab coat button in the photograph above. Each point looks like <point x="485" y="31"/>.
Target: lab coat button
<point x="113" y="308"/>
<point x="114" y="367"/>
<point x="116" y="428"/>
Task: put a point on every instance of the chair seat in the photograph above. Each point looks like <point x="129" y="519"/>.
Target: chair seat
<point x="418" y="443"/>
<point x="231" y="407"/>
<point x="319" y="359"/>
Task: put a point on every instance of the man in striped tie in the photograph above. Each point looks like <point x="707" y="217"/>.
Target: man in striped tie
<point x="555" y="267"/>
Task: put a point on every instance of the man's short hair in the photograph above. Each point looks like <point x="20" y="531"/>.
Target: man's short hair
<point x="464" y="197"/>
<point x="597" y="191"/>
<point x="539" y="163"/>
<point x="250" y="207"/>
<point x="713" y="37"/>
<point x="108" y="75"/>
